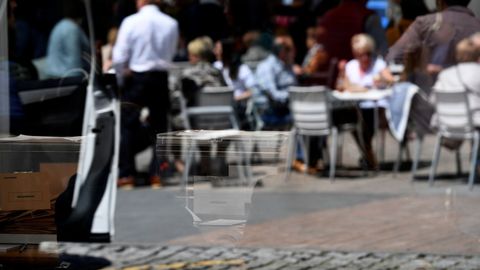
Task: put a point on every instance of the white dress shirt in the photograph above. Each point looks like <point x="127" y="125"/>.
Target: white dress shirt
<point x="147" y="41"/>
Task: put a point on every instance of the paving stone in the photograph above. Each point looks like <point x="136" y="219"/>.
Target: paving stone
<point x="313" y="262"/>
<point x="232" y="255"/>
<point x="219" y="258"/>
<point x="474" y="262"/>
<point x="255" y="264"/>
<point x="274" y="265"/>
<point x="301" y="257"/>
<point x="348" y="258"/>
<point x="444" y="263"/>
<point x="367" y="262"/>
<point x="419" y="264"/>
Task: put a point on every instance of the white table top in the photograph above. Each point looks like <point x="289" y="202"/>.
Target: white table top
<point x="396" y="68"/>
<point x="370" y="95"/>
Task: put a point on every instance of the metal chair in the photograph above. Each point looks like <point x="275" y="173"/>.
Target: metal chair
<point x="213" y="109"/>
<point x="175" y="74"/>
<point x="311" y="117"/>
<point x="454" y="118"/>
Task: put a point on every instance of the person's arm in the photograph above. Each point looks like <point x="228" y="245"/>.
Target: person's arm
<point x="409" y="42"/>
<point x="248" y="81"/>
<point x="121" y="53"/>
<point x="352" y="87"/>
<point x="384" y="79"/>
<point x="174" y="37"/>
<point x="319" y="60"/>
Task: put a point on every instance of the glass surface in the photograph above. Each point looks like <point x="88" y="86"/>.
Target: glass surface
<point x="40" y="125"/>
<point x="222" y="170"/>
<point x="226" y="191"/>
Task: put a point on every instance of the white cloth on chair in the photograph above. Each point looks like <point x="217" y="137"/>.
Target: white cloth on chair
<point x="398" y="110"/>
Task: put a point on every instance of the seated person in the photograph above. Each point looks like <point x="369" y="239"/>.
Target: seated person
<point x="68" y="47"/>
<point x="364" y="72"/>
<point x="464" y="76"/>
<point x="316" y="58"/>
<point x="461" y="77"/>
<point x="203" y="74"/>
<point x="237" y="76"/>
<point x="274" y="76"/>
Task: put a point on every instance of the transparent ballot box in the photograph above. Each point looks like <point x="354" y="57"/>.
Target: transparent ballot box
<point x="34" y="173"/>
<point x="222" y="170"/>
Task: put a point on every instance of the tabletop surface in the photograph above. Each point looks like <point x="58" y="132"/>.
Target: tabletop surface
<point x="372" y="94"/>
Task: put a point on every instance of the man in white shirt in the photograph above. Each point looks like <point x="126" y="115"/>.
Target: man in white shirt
<point x="146" y="44"/>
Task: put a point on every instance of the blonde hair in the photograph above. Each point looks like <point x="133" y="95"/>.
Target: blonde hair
<point x="200" y="46"/>
<point x="476" y="39"/>
<point x="466" y="51"/>
<point x="363" y="42"/>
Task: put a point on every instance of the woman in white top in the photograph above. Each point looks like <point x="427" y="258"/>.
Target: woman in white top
<point x="237" y="76"/>
<point x="366" y="71"/>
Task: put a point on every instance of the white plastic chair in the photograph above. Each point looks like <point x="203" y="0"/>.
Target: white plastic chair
<point x="310" y="109"/>
<point x="454" y="122"/>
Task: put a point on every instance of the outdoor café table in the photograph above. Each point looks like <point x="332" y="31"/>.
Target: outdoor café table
<point x="374" y="95"/>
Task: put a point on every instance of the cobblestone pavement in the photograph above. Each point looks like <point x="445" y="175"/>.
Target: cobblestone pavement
<point x="218" y="258"/>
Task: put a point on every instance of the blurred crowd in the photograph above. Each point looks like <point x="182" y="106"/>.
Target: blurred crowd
<point x="258" y="48"/>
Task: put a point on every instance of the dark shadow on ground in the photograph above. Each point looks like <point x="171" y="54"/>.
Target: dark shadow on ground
<point x="405" y="166"/>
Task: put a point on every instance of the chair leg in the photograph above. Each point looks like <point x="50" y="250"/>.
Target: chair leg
<point x="435" y="158"/>
<point x="333" y="153"/>
<point x="306" y="153"/>
<point x="383" y="134"/>
<point x="407" y="152"/>
<point x="325" y="150"/>
<point x="473" y="162"/>
<point x="341" y="140"/>
<point x="242" y="160"/>
<point x="398" y="162"/>
<point x="458" y="159"/>
<point x="418" y="153"/>
<point x="291" y="152"/>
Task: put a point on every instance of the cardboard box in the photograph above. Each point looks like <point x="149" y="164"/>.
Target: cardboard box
<point x="57" y="175"/>
<point x="24" y="191"/>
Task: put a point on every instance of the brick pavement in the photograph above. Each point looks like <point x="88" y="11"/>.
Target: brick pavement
<point x="393" y="233"/>
<point x="144" y="257"/>
<point x="406" y="224"/>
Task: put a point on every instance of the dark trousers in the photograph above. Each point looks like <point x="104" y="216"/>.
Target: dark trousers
<point x="142" y="90"/>
<point x="341" y="117"/>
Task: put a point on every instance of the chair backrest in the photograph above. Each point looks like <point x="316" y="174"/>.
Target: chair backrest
<point x="214" y="109"/>
<point x="175" y="74"/>
<point x="310" y="110"/>
<point x="215" y="96"/>
<point x="453" y="114"/>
